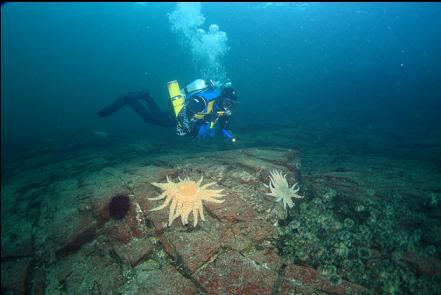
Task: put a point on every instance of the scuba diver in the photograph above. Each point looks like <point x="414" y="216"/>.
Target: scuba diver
<point x="198" y="108"/>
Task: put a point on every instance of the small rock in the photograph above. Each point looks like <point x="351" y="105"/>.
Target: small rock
<point x="424" y="265"/>
<point x="232" y="273"/>
<point x="135" y="251"/>
<point x="15" y="275"/>
<point x="195" y="247"/>
<point x="307" y="280"/>
<point x="163" y="281"/>
<point x="80" y="233"/>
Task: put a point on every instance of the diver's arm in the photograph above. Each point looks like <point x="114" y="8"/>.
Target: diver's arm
<point x="184" y="125"/>
<point x="228" y="134"/>
<point x="225" y="129"/>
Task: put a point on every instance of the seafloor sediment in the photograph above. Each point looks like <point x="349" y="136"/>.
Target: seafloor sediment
<point x="369" y="222"/>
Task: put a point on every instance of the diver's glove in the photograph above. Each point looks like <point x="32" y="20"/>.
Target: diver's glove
<point x="228" y="134"/>
<point x="205" y="131"/>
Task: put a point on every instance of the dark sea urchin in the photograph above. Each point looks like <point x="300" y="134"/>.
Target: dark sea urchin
<point x="119" y="206"/>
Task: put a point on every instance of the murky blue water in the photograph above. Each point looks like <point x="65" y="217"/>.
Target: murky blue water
<point x="373" y="64"/>
<point x="355" y="87"/>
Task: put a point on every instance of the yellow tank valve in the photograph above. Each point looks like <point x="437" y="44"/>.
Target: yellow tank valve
<point x="176" y="97"/>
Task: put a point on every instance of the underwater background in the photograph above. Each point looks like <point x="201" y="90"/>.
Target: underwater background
<point x="343" y="98"/>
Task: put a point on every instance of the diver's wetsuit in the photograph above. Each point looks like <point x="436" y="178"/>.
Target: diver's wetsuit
<point x="153" y="116"/>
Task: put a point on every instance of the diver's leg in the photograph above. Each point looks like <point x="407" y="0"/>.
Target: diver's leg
<point x="150" y="102"/>
<point x="141" y="111"/>
<point x="164" y="119"/>
<point x="120" y="102"/>
<point x="113" y="107"/>
<point x="156" y="118"/>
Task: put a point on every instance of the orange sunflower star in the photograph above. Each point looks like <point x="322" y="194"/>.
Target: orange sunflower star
<point x="186" y="196"/>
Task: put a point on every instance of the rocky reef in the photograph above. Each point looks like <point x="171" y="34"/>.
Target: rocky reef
<point x="358" y="230"/>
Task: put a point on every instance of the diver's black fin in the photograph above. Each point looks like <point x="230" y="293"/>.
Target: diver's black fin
<point x="113" y="107"/>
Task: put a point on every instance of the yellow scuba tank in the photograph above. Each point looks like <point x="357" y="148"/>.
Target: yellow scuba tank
<point x="176" y="97"/>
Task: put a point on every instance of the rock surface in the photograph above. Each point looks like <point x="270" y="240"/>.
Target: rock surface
<point x="79" y="247"/>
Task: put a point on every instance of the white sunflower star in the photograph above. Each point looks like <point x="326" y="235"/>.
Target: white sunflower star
<point x="280" y="189"/>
